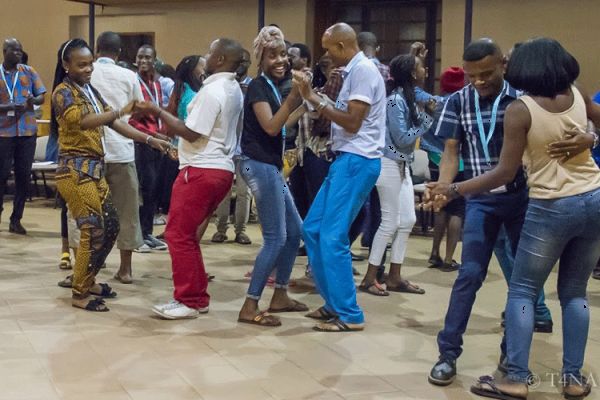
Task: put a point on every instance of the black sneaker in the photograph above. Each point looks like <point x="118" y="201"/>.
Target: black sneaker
<point x="154" y="243"/>
<point x="16" y="227"/>
<point x="357" y="257"/>
<point x="443" y="372"/>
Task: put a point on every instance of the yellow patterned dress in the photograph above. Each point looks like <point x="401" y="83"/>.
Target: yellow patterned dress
<point x="80" y="181"/>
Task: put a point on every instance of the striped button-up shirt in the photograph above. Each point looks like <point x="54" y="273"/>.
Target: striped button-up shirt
<point x="458" y="121"/>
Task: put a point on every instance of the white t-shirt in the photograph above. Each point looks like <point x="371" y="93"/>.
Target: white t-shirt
<point x="362" y="82"/>
<point x="118" y="87"/>
<point x="215" y="113"/>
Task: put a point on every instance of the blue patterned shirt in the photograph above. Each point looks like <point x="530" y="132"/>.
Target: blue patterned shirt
<point x="28" y="84"/>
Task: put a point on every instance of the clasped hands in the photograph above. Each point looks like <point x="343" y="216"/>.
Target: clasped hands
<point x="437" y="196"/>
<point x="159" y="142"/>
<point x="302" y="85"/>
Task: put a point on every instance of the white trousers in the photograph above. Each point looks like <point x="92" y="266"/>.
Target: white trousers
<point x="397" y="198"/>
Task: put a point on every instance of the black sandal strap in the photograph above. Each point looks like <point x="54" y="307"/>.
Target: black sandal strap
<point x="96" y="304"/>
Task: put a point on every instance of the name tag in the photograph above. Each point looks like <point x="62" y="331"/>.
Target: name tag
<point x="10" y="113"/>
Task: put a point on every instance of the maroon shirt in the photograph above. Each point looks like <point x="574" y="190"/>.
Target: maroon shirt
<point x="149" y="124"/>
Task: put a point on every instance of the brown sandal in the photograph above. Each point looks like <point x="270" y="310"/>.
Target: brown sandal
<point x="263" y="318"/>
<point x="321" y="314"/>
<point x="406" y="286"/>
<point x="375" y="288"/>
<point x="295" y="306"/>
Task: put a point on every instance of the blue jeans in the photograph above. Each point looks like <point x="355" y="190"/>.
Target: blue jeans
<point x="349" y="182"/>
<point x="503" y="251"/>
<point x="563" y="229"/>
<point x="484" y="216"/>
<point x="280" y="222"/>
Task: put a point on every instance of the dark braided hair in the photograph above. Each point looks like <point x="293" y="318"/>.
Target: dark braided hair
<point x="401" y="70"/>
<point x="184" y="73"/>
<point x="64" y="54"/>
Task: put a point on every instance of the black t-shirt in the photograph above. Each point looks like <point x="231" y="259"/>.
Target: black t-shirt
<point x="256" y="143"/>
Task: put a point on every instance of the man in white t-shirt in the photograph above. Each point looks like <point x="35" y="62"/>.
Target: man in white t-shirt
<point x="358" y="133"/>
<point x="206" y="149"/>
<point x="119" y="86"/>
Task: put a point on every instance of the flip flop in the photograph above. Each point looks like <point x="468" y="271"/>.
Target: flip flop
<point x="107" y="292"/>
<point x="66" y="283"/>
<point x="486" y="387"/>
<point x="263" y="318"/>
<point x="296" y="306"/>
<point x="337" y="325"/>
<point x="65" y="261"/>
<point x="406" y="287"/>
<point x="376" y="289"/>
<point x="123" y="281"/>
<point x="321" y="314"/>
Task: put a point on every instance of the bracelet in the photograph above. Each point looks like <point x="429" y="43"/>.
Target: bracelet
<point x="322" y="104"/>
<point x="148" y="139"/>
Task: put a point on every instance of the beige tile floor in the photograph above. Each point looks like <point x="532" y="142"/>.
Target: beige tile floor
<point x="49" y="350"/>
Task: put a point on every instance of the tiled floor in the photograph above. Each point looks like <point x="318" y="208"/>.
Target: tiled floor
<point x="49" y="350"/>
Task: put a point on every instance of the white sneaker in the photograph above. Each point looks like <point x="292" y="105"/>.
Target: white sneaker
<point x="143" y="249"/>
<point x="162" y="307"/>
<point x="177" y="310"/>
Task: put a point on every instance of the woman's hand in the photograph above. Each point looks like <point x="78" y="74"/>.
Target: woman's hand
<point x="577" y="141"/>
<point x="145" y="108"/>
<point x="128" y="109"/>
<point x="302" y="81"/>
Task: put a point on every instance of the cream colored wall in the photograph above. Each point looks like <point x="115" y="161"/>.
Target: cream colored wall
<point x="45" y="27"/>
<point x="573" y="23"/>
<point x="183" y="29"/>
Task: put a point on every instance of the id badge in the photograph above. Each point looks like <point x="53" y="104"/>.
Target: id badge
<point x="10" y="113"/>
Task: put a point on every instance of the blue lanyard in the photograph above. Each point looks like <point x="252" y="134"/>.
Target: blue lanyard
<point x="89" y="94"/>
<point x="485" y="139"/>
<point x="11" y="91"/>
<point x="279" y="101"/>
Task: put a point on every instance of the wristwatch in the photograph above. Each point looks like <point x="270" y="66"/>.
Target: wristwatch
<point x="454" y="190"/>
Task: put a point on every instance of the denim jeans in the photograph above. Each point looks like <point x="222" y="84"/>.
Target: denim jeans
<point x="485" y="215"/>
<point x="280" y="222"/>
<point x="504" y="253"/>
<point x="350" y="179"/>
<point x="564" y="229"/>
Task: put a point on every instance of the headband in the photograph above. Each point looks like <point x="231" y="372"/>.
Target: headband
<point x="62" y="56"/>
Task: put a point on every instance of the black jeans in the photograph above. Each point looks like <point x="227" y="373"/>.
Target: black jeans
<point x="147" y="163"/>
<point x="17" y="151"/>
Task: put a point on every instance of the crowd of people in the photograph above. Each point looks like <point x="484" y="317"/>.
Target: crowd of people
<point x="325" y="154"/>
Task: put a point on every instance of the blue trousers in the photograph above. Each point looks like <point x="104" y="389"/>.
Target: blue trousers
<point x="504" y="253"/>
<point x="485" y="215"/>
<point x="564" y="229"/>
<point x="344" y="191"/>
<point x="280" y="222"/>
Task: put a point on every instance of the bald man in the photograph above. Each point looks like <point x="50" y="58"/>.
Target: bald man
<point x="358" y="130"/>
<point x="208" y="141"/>
<point x="20" y="89"/>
